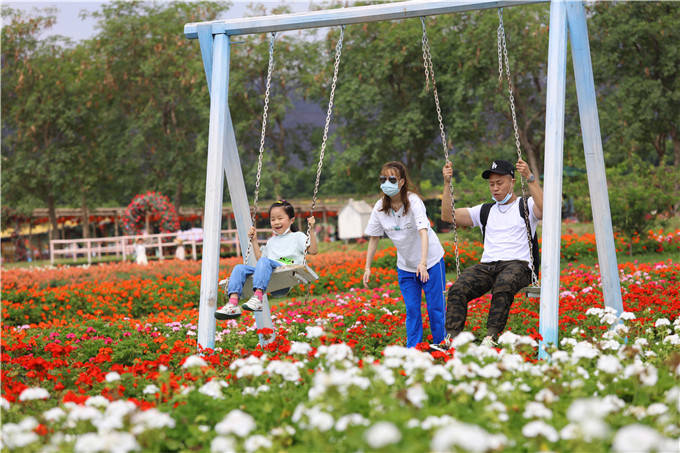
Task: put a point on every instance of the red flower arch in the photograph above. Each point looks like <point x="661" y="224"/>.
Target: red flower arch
<point x="159" y="209"/>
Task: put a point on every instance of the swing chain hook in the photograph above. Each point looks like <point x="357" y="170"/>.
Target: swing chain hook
<point x="503" y="58"/>
<point x="329" y="112"/>
<point x="429" y="73"/>
<point x="256" y="196"/>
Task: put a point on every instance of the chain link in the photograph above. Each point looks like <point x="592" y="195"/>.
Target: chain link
<point x="262" y="137"/>
<point x="502" y="45"/>
<point x="429" y="73"/>
<point x="329" y="112"/>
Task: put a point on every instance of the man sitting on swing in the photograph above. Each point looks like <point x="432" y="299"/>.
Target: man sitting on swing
<point x="505" y="267"/>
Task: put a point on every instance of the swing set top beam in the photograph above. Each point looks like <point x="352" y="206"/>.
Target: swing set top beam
<point x="346" y="16"/>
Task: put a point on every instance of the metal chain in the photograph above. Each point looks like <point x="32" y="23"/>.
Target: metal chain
<point x="262" y="137"/>
<point x="502" y="45"/>
<point x="329" y="112"/>
<point x="429" y="73"/>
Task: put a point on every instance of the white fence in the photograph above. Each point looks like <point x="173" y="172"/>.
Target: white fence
<point x="123" y="246"/>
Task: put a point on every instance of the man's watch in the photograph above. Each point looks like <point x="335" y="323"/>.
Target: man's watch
<point x="531" y="178"/>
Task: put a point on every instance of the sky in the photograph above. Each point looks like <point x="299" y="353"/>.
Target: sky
<point x="70" y="24"/>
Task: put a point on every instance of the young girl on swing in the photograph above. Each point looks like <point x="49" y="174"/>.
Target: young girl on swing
<point x="286" y="246"/>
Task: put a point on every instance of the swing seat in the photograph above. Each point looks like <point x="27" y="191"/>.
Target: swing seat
<point x="283" y="278"/>
<point x="532" y="291"/>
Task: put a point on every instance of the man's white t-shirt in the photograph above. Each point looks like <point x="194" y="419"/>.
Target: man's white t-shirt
<point x="289" y="246"/>
<point x="403" y="229"/>
<point x="506" y="231"/>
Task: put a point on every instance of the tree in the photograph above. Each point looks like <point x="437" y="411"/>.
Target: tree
<point x="35" y="102"/>
<point x="155" y="86"/>
<point x="291" y="142"/>
<point x="634" y="47"/>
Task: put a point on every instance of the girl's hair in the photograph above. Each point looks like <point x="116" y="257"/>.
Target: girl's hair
<point x="405" y="189"/>
<point x="288" y="208"/>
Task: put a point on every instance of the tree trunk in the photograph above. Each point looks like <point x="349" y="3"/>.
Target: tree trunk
<point x="52" y="212"/>
<point x="85" y="217"/>
<point x="178" y="196"/>
<point x="675" y="138"/>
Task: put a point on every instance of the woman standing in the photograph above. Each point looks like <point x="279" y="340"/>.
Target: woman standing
<point x="400" y="214"/>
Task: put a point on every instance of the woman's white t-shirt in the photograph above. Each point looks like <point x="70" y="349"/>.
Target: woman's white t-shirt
<point x="506" y="232"/>
<point x="286" y="247"/>
<point x="403" y="229"/>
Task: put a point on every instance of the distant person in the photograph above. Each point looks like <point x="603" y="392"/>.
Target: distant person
<point x="286" y="246"/>
<point x="140" y="252"/>
<point x="400" y="214"/>
<point x="180" y="253"/>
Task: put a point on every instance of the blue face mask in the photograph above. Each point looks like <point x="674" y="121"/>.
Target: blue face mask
<point x="504" y="200"/>
<point x="390" y="189"/>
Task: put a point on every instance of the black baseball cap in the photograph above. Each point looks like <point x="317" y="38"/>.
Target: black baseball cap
<point x="500" y="167"/>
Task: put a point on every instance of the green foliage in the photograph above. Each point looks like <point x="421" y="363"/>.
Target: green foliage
<point x="638" y="195"/>
<point x="97" y="121"/>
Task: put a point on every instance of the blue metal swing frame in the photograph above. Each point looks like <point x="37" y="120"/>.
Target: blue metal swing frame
<point x="567" y="17"/>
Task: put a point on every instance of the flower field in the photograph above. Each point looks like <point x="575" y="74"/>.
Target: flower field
<point x="105" y="359"/>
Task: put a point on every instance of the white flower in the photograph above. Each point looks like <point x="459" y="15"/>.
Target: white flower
<point x="150" y="389"/>
<point x="672" y="339"/>
<point x="673" y="397"/>
<point x="13" y="436"/>
<point x="662" y="322"/>
<point x="287" y="370"/>
<point x="237" y="422"/>
<point x="534" y="409"/>
<point x="97" y="401"/>
<point x="540" y="428"/>
<point x="416" y="395"/>
<point x="111" y="441"/>
<point x="508" y="338"/>
<point x="609" y="364"/>
<point x="323" y="421"/>
<point x="254" y="443"/>
<point x="194" y="361"/>
<point x="34" y="393"/>
<point x="609" y="318"/>
<point x="490" y="371"/>
<point x="382" y="434"/>
<point x="467" y="437"/>
<point x="298" y="347"/>
<point x="436" y="370"/>
<point x="314" y="331"/>
<point x="638" y="438"/>
<point x="335" y="352"/>
<point x="112" y="376"/>
<point x="54" y="414"/>
<point x="462" y="339"/>
<point x="213" y="389"/>
<point x="546" y="396"/>
<point x="594" y="312"/>
<point x="584" y="350"/>
<point x="221" y="444"/>
<point x="79" y="413"/>
<point x="350" y="419"/>
<point x="657" y="409"/>
<point x="152" y="419"/>
<point x="627" y="316"/>
<point x="4" y="404"/>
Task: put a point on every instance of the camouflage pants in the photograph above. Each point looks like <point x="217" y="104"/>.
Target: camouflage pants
<point x="503" y="278"/>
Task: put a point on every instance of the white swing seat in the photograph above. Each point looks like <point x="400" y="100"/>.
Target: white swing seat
<point x="532" y="291"/>
<point x="283" y="277"/>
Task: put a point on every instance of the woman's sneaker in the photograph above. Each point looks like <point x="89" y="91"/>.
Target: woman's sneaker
<point x="253" y="304"/>
<point x="229" y="311"/>
<point x="445" y="345"/>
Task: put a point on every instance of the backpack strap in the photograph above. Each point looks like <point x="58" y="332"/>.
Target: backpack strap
<point x="536" y="256"/>
<point x="484" y="217"/>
